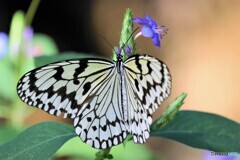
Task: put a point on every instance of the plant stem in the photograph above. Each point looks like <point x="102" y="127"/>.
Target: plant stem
<point x="31" y="12"/>
<point x="16" y="114"/>
<point x="103" y="153"/>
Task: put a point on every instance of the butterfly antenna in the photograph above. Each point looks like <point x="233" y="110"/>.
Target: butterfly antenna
<point x="129" y="37"/>
<point x="106" y="40"/>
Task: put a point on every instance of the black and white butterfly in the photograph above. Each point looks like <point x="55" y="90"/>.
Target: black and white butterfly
<point x="107" y="100"/>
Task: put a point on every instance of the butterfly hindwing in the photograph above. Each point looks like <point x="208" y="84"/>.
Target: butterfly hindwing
<point x="101" y="123"/>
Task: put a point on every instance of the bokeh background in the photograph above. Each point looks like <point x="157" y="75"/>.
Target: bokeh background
<point x="201" y="49"/>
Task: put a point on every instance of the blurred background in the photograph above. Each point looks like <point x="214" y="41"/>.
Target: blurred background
<point x="201" y="49"/>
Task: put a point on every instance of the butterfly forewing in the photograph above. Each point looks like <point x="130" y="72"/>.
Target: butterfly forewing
<point x="63" y="86"/>
<point x="150" y="79"/>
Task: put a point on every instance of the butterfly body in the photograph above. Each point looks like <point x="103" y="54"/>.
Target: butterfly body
<point x="107" y="100"/>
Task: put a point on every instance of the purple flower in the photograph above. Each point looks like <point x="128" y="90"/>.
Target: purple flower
<point x="28" y="38"/>
<point x="127" y="50"/>
<point x="32" y="48"/>
<point x="3" y="44"/>
<point x="28" y="34"/>
<point x="117" y="50"/>
<point x="150" y="29"/>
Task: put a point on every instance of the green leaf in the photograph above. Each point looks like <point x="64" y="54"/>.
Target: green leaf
<point x="203" y="130"/>
<point x="43" y="60"/>
<point x="43" y="140"/>
<point x="170" y="112"/>
<point x="37" y="142"/>
<point x="8" y="132"/>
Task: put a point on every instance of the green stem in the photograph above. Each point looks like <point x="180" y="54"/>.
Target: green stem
<point x="126" y="37"/>
<point x="169" y="113"/>
<point x="16" y="114"/>
<point x="103" y="154"/>
<point x="31" y="12"/>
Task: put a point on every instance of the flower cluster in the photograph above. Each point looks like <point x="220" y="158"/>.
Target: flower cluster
<point x="31" y="49"/>
<point x="127" y="49"/>
<point x="150" y="29"/>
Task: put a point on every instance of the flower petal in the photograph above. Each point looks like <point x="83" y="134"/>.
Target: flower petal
<point x="140" y="21"/>
<point x="156" y="40"/>
<point x="151" y="22"/>
<point x="147" y="32"/>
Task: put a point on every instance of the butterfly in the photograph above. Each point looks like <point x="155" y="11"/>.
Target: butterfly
<point x="107" y="100"/>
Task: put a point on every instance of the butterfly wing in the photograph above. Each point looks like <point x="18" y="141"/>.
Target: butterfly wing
<point x="148" y="83"/>
<point x="86" y="90"/>
<point x="101" y="123"/>
<point x="63" y="86"/>
<point x="89" y="91"/>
